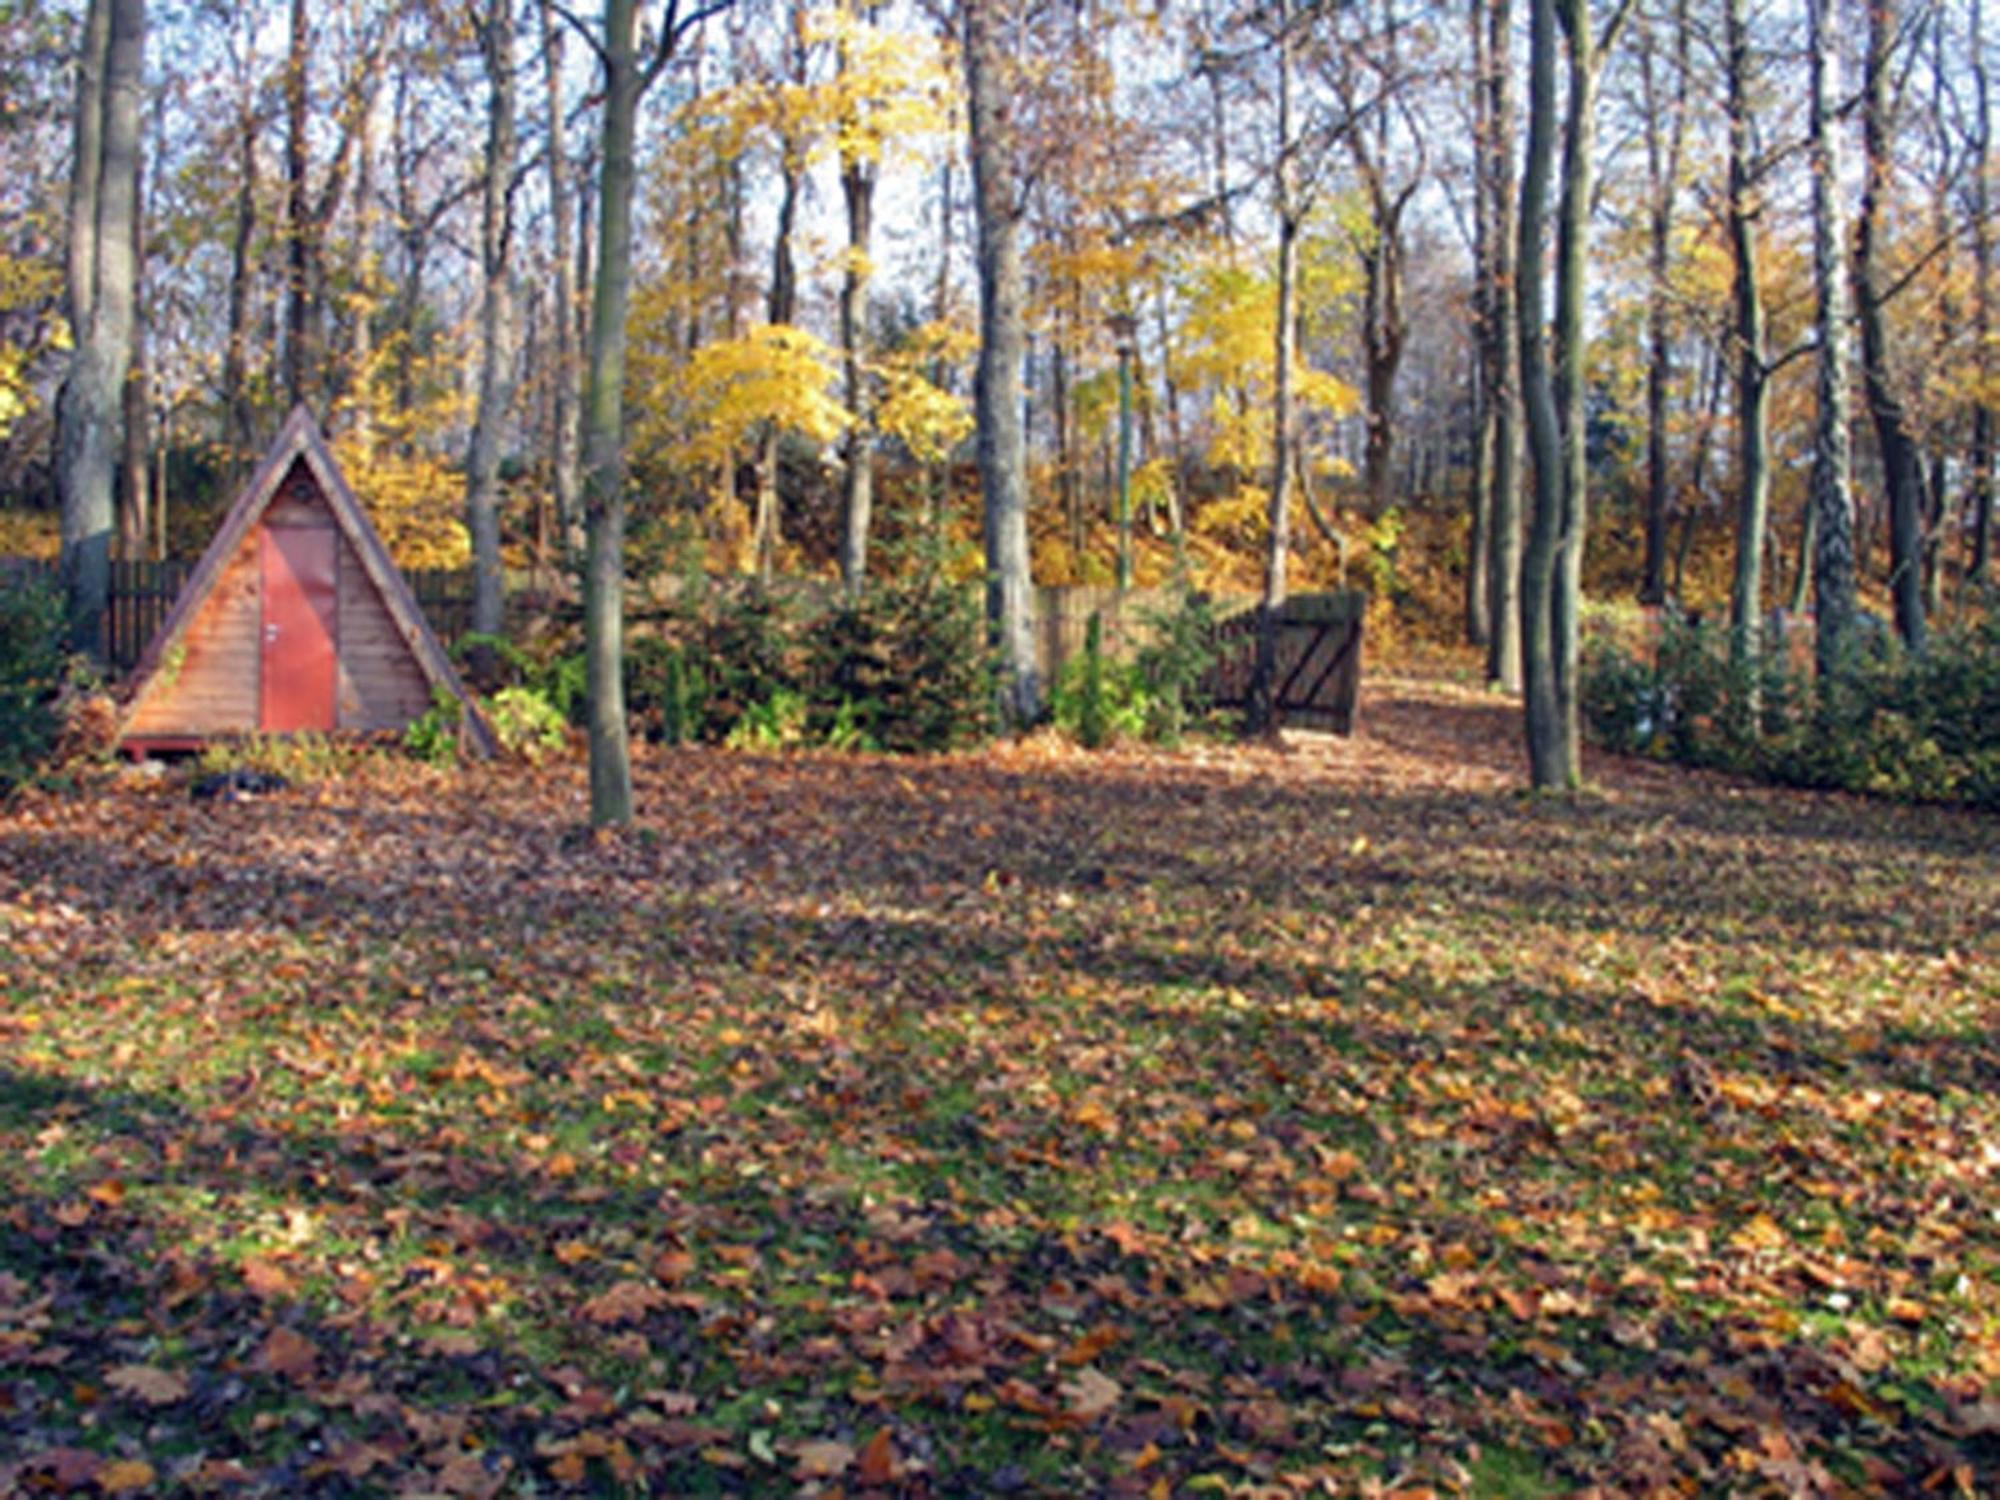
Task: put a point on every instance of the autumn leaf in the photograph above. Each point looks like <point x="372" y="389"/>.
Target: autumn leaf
<point x="624" y="1302"/>
<point x="122" y="1476"/>
<point x="288" y="1353"/>
<point x="878" y="1464"/>
<point x="822" y="1459"/>
<point x="1089" y="1394"/>
<point x="148" y="1383"/>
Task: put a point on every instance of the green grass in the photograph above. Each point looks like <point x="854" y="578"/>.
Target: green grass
<point x="1527" y="1145"/>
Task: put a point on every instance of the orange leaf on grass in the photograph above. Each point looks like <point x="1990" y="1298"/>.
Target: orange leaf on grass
<point x="288" y="1353"/>
<point x="154" y="1386"/>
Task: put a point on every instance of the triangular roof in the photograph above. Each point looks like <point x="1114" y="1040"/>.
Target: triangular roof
<point x="300" y="440"/>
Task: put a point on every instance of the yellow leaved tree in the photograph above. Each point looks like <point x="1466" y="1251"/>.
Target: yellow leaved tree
<point x="395" y="457"/>
<point x="24" y="286"/>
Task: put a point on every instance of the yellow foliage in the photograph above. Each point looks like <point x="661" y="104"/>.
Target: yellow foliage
<point x="391" y="459"/>
<point x="23" y="283"/>
<point x="775" y="374"/>
<point x="928" y="421"/>
<point x="1225" y="344"/>
<point x="30" y="534"/>
<point x="1244" y="517"/>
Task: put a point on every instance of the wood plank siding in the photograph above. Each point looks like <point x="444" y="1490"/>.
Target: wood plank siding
<point x="209" y="684"/>
<point x="381" y="684"/>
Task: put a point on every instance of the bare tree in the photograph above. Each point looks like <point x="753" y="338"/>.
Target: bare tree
<point x="494" y="27"/>
<point x="1832" y="487"/>
<point x="1902" y="465"/>
<point x="998" y="210"/>
<point x="102" y="296"/>
<point x="627" y="75"/>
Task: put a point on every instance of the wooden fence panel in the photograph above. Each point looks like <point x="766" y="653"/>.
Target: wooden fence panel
<point x="1317" y="683"/>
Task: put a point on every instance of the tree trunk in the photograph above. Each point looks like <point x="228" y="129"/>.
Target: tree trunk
<point x="857" y="191"/>
<point x="134" y="457"/>
<point x="564" y="478"/>
<point x="1832" y="488"/>
<point x="496" y="385"/>
<point x="780" y="308"/>
<point x="105" y="200"/>
<point x="237" y="410"/>
<point x="1665" y="141"/>
<point x="1503" y="358"/>
<point x="1572" y="287"/>
<point x="1752" y="373"/>
<point x="298" y="212"/>
<point x="1979" y="559"/>
<point x="1010" y="598"/>
<point x="1902" y="467"/>
<point x="1261" y="716"/>
<point x="1545" y="738"/>
<point x="604" y="431"/>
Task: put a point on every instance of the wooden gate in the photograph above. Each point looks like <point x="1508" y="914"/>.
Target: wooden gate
<point x="1318" y="679"/>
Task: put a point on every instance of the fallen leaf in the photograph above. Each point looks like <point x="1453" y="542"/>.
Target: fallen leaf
<point x="1090" y="1393"/>
<point x="124" y="1475"/>
<point x="288" y="1353"/>
<point x="148" y="1383"/>
<point x="878" y="1465"/>
<point x="822" y="1459"/>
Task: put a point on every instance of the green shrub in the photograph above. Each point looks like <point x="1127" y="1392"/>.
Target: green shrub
<point x="31" y="676"/>
<point x="1882" y="722"/>
<point x="301" y="758"/>
<point x="433" y="736"/>
<point x="1174" y="667"/>
<point x="557" y="676"/>
<point x="904" y="668"/>
<point x="527" y="726"/>
<point x="1098" y="701"/>
<point x="778" y="723"/>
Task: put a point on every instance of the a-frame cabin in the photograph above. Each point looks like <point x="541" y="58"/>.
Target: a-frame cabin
<point x="294" y="620"/>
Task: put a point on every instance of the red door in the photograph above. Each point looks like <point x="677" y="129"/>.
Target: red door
<point x="300" y="606"/>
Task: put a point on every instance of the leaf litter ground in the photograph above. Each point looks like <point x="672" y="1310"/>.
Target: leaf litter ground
<point x="1335" y="1120"/>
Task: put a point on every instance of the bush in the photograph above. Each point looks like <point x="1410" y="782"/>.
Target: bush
<point x="525" y="723"/>
<point x="31" y="677"/>
<point x="1096" y="700"/>
<point x="1882" y="722"/>
<point x="1174" y="668"/>
<point x="1156" y="696"/>
<point x="904" y="668"/>
<point x="293" y="758"/>
<point x="712" y="664"/>
<point x="433" y="736"/>
<point x="556" y="676"/>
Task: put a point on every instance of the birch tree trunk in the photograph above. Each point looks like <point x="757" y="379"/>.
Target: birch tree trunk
<point x="1503" y="358"/>
<point x="1665" y="141"/>
<point x="1753" y="475"/>
<point x="1980" y="557"/>
<point x="563" y="476"/>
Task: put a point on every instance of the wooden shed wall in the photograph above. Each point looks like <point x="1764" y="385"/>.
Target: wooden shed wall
<point x="210" y="686"/>
<point x="381" y="685"/>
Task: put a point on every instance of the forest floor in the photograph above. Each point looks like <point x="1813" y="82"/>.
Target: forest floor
<point x="1220" y="1120"/>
